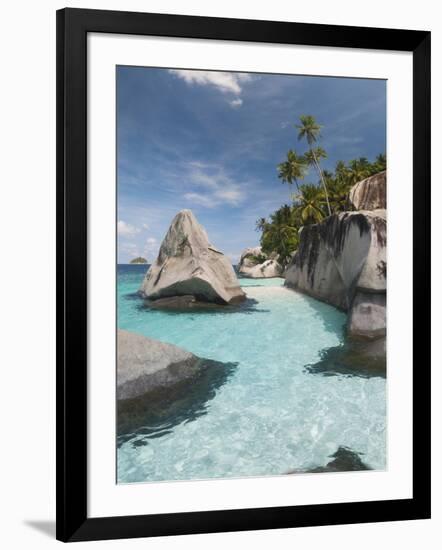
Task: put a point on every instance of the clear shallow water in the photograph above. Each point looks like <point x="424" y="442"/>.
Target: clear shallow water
<point x="271" y="415"/>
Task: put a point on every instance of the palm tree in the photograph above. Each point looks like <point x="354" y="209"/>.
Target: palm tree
<point x="314" y="155"/>
<point x="293" y="169"/>
<point x="338" y="192"/>
<point x="380" y="163"/>
<point x="280" y="233"/>
<point x="311" y="131"/>
<point x="260" y="224"/>
<point x="359" y="169"/>
<point x="341" y="171"/>
<point x="309" y="204"/>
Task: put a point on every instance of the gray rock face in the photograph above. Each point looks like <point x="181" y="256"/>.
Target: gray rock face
<point x="342" y="261"/>
<point x="371" y="193"/>
<point x="145" y="365"/>
<point x="248" y="266"/>
<point x="367" y="317"/>
<point x="188" y="264"/>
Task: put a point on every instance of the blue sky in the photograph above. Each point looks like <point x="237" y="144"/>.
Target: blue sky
<point x="210" y="141"/>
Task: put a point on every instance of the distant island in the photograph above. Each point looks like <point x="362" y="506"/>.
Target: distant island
<point x="139" y="260"/>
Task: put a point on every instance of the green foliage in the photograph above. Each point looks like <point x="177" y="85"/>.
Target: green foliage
<point x="315" y="155"/>
<point x="309" y="204"/>
<point x="312" y="203"/>
<point x="139" y="260"/>
<point x="293" y="169"/>
<point x="280" y="232"/>
<point x="309" y="129"/>
<point x="259" y="259"/>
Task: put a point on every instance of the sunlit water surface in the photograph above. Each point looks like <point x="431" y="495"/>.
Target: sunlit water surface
<point x="270" y="415"/>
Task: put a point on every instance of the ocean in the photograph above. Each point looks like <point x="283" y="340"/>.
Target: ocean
<point x="270" y="411"/>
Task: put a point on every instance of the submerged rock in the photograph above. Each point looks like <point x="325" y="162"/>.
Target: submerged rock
<point x="158" y="412"/>
<point x="188" y="264"/>
<point x="371" y="193"/>
<point x="180" y="303"/>
<point x="344" y="460"/>
<point x="362" y="358"/>
<point x="257" y="265"/>
<point x="145" y="365"/>
<point x="343" y="261"/>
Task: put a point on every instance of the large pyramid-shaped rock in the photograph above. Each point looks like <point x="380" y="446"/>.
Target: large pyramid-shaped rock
<point x="188" y="264"/>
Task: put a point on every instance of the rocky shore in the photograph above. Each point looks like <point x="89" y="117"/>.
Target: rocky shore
<point x="343" y="261"/>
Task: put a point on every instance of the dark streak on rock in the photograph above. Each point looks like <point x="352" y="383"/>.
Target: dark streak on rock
<point x="332" y="232"/>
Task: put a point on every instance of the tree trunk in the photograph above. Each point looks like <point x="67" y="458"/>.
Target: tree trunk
<point x="323" y="182"/>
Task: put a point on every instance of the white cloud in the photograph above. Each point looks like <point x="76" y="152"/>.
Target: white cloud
<point x="150" y="250"/>
<point x="126" y="229"/>
<point x="233" y="195"/>
<point x="230" y="83"/>
<point x="197" y="164"/>
<point x="225" y="82"/>
<point x="201" y="200"/>
<point x="218" y="187"/>
<point x="145" y="226"/>
<point x="201" y="178"/>
<point x="129" y="248"/>
<point x="235" y="103"/>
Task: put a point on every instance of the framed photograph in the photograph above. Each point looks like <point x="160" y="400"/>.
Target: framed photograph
<point x="231" y="352"/>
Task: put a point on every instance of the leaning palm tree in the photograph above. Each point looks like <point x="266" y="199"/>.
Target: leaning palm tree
<point x="311" y="131"/>
<point x="314" y="156"/>
<point x="293" y="169"/>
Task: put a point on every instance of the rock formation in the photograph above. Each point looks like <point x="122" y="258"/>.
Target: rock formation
<point x="371" y="193"/>
<point x="342" y="261"/>
<point x="145" y="365"/>
<point x="162" y="385"/>
<point x="256" y="264"/>
<point x="188" y="265"/>
<point x="344" y="460"/>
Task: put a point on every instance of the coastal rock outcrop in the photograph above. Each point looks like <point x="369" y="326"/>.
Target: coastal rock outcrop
<point x="145" y="365"/>
<point x="160" y="384"/>
<point x="188" y="265"/>
<point x="254" y="263"/>
<point x="371" y="193"/>
<point x="342" y="261"/>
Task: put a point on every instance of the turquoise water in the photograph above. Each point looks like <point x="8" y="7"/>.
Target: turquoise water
<point x="270" y="415"/>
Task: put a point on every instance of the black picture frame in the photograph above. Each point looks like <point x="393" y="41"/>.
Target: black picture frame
<point x="73" y="25"/>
